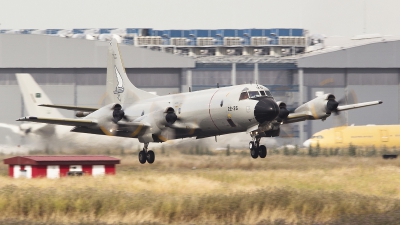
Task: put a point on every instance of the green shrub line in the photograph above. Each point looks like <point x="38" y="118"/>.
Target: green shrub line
<point x="351" y="151"/>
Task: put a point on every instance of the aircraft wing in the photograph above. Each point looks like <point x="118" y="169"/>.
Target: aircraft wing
<point x="295" y="117"/>
<point x="358" y="105"/>
<point x="301" y="116"/>
<point x="67" y="107"/>
<point x="125" y="129"/>
<point x="58" y="121"/>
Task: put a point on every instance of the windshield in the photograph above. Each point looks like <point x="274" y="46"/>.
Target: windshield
<point x="254" y="94"/>
<point x="268" y="93"/>
<point x="243" y="96"/>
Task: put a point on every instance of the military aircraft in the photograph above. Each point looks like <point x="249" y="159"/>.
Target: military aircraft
<point x="133" y="113"/>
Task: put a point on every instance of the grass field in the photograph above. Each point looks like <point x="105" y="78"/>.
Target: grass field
<point x="213" y="189"/>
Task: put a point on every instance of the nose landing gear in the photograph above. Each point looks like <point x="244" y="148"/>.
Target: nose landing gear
<point x="257" y="150"/>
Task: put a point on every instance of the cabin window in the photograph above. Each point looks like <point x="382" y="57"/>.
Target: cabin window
<point x="254" y="94"/>
<point x="317" y="137"/>
<point x="243" y="96"/>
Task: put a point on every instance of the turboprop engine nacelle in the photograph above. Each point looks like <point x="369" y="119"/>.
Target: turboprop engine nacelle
<point x="320" y="107"/>
<point x="165" y="118"/>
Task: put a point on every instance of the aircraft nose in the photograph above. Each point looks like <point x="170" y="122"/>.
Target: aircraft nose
<point x="266" y="110"/>
<point x="307" y="143"/>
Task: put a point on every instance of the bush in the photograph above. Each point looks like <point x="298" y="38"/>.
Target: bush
<point x="352" y="150"/>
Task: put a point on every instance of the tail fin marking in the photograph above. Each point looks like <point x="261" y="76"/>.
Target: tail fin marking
<point x="33" y="96"/>
<point x="119" y="88"/>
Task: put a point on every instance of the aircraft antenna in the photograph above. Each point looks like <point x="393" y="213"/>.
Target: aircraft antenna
<point x="217" y="85"/>
<point x="190" y="89"/>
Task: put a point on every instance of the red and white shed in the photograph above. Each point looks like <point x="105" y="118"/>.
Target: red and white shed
<point x="59" y="166"/>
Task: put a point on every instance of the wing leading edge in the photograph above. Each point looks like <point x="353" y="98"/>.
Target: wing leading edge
<point x="58" y="121"/>
<point x="67" y="107"/>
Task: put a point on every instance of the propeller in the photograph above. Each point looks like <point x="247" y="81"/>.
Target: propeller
<point x="283" y="112"/>
<point x="110" y="127"/>
<point x="168" y="132"/>
<point x="350" y="98"/>
<point x="171" y="116"/>
<point x="332" y="104"/>
<point x="118" y="114"/>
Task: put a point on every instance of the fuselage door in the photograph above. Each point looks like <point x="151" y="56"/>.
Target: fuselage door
<point x="338" y="137"/>
<point x="384" y="136"/>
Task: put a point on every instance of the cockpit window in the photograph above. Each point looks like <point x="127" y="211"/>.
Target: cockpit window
<point x="254" y="94"/>
<point x="317" y="137"/>
<point x="268" y="93"/>
<point x="244" y="96"/>
<point x="262" y="93"/>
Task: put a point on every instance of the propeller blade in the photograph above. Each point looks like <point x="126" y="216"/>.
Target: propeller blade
<point x="349" y="98"/>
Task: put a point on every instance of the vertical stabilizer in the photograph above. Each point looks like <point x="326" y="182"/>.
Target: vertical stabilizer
<point x="33" y="96"/>
<point x="119" y="88"/>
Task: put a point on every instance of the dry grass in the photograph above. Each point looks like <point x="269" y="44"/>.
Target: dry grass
<point x="190" y="189"/>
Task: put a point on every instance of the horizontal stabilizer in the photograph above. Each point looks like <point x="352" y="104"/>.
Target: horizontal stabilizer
<point x="13" y="128"/>
<point x="66" y="122"/>
<point x="358" y="105"/>
<point x="67" y="107"/>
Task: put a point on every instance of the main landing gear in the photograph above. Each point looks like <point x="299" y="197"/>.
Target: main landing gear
<point x="146" y="155"/>
<point x="257" y="150"/>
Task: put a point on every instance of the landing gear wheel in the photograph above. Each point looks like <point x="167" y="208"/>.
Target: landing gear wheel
<point x="251" y="145"/>
<point x="142" y="157"/>
<point x="262" y="151"/>
<point x="254" y="152"/>
<point x="150" y="156"/>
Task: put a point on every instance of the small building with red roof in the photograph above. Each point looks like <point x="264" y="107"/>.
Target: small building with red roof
<point x="60" y="166"/>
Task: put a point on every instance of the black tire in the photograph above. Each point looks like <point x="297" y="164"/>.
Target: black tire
<point x="262" y="151"/>
<point x="251" y="145"/>
<point x="150" y="156"/>
<point x="254" y="153"/>
<point x="142" y="157"/>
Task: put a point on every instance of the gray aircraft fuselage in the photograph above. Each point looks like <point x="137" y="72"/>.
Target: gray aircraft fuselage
<point x="211" y="112"/>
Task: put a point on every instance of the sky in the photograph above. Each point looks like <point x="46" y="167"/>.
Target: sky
<point x="328" y="17"/>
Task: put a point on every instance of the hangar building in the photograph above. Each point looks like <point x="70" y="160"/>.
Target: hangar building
<point x="72" y="72"/>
